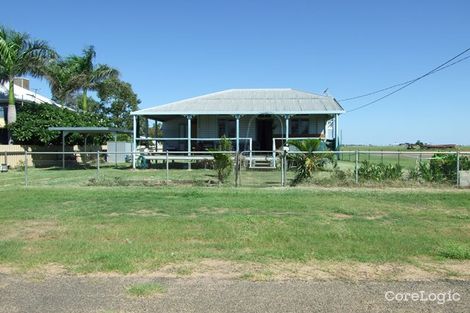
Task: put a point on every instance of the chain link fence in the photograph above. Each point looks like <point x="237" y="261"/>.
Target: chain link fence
<point x="247" y="169"/>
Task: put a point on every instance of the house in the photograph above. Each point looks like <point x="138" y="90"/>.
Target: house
<point x="22" y="95"/>
<point x="254" y="119"/>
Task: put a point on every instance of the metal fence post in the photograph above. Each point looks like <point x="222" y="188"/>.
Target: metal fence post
<point x="97" y="163"/>
<point x="236" y="169"/>
<point x="458" y="168"/>
<point x="356" y="168"/>
<point x="26" y="168"/>
<point x="398" y="157"/>
<point x="167" y="167"/>
<point x="285" y="168"/>
<point x="282" y="169"/>
<point x="382" y="156"/>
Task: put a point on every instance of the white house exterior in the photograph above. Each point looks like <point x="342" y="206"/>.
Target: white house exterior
<point x="255" y="119"/>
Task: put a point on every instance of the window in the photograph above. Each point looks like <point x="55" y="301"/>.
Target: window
<point x="299" y="126"/>
<point x="227" y="128"/>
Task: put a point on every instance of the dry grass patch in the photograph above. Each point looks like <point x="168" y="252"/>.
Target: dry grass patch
<point x="30" y="230"/>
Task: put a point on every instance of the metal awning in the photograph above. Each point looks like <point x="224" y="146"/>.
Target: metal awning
<point x="91" y="130"/>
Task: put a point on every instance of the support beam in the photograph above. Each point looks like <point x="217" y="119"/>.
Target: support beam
<point x="134" y="139"/>
<point x="287" y="117"/>
<point x="336" y="132"/>
<point x="237" y="125"/>
<point x="189" y="118"/>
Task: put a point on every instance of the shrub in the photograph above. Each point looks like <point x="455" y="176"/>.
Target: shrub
<point x="307" y="163"/>
<point x="440" y="168"/>
<point x="33" y="121"/>
<point x="380" y="171"/>
<point x="444" y="167"/>
<point x="223" y="162"/>
<point x="341" y="175"/>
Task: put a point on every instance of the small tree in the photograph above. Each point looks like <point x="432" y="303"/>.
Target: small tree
<point x="223" y="162"/>
<point x="307" y="163"/>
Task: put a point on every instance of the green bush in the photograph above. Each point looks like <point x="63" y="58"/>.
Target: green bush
<point x="223" y="162"/>
<point x="305" y="164"/>
<point x="33" y="121"/>
<point x="380" y="171"/>
<point x="440" y="168"/>
<point x="444" y="167"/>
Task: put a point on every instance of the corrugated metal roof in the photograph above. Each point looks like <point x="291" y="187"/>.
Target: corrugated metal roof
<point x="249" y="101"/>
<point x="25" y="95"/>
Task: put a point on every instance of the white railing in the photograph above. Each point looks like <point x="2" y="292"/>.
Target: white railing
<point x="197" y="139"/>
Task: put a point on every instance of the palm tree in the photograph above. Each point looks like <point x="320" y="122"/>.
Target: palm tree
<point x="87" y="75"/>
<point x="19" y="55"/>
<point x="62" y="78"/>
<point x="308" y="162"/>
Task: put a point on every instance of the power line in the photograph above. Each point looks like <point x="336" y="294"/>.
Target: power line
<point x="400" y="84"/>
<point x="403" y="85"/>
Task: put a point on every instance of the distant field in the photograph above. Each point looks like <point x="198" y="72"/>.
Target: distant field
<point x="129" y="229"/>
<point x="393" y="148"/>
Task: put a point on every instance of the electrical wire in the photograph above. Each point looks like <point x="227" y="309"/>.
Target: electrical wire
<point x="403" y="85"/>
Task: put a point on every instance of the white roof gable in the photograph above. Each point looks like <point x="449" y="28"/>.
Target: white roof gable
<point x="250" y="101"/>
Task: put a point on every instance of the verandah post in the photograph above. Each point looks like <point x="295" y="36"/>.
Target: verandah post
<point x="189" y="117"/>
<point x="134" y="139"/>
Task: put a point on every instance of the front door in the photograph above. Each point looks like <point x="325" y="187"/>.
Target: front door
<point x="264" y="131"/>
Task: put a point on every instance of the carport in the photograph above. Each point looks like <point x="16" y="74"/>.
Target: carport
<point x="88" y="130"/>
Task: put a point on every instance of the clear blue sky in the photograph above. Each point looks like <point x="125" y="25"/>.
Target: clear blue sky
<point x="169" y="50"/>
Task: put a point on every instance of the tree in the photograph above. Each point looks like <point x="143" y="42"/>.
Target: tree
<point x="118" y="101"/>
<point x="62" y="77"/>
<point x="307" y="162"/>
<point x="90" y="75"/>
<point x="20" y="55"/>
<point x="78" y="73"/>
<point x="223" y="162"/>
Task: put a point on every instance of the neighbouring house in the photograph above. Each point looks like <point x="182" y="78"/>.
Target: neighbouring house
<point x="254" y="119"/>
<point x="23" y="94"/>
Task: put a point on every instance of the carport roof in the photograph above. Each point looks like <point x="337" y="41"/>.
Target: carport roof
<point x="91" y="130"/>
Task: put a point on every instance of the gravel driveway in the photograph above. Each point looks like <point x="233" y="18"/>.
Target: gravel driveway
<point x="109" y="294"/>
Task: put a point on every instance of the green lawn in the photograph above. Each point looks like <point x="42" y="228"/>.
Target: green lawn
<point x="119" y="176"/>
<point x="128" y="229"/>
